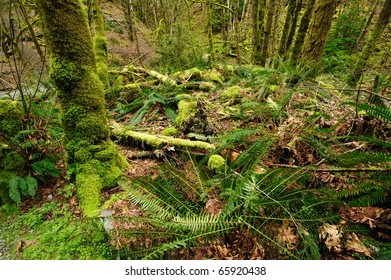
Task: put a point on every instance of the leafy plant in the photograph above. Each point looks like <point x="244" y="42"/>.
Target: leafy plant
<point x="19" y="186"/>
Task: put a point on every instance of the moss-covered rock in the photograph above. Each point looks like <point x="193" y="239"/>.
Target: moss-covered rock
<point x="10" y="117"/>
<point x="186" y="110"/>
<point x="216" y="162"/>
<point x="213" y="76"/>
<point x="231" y="93"/>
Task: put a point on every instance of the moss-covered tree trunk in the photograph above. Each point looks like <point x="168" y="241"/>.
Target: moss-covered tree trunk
<point x="100" y="43"/>
<point x="302" y="32"/>
<point x="292" y="32"/>
<point x="258" y="14"/>
<point x="376" y="34"/>
<point x="268" y="31"/>
<point x="287" y="27"/>
<point x="318" y="30"/>
<point x="92" y="158"/>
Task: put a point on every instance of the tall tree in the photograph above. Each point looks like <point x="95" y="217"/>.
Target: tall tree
<point x="287" y="27"/>
<point x="100" y="42"/>
<point x="319" y="28"/>
<point x="375" y="35"/>
<point x="258" y="14"/>
<point x="302" y="31"/>
<point x="268" y="30"/>
<point x="93" y="161"/>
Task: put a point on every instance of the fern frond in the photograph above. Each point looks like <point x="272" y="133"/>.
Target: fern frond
<point x="14" y="191"/>
<point x="363" y="157"/>
<point x="377" y="111"/>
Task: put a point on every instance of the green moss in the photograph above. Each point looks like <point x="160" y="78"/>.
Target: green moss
<point x="207" y="86"/>
<point x="231" y="93"/>
<point x="216" y="162"/>
<point x="214" y="76"/>
<point x="186" y="110"/>
<point x="158" y="141"/>
<point x="3" y="148"/>
<point x="170" y="131"/>
<point x="190" y="74"/>
<point x="10" y="117"/>
<point x="65" y="74"/>
<point x="12" y="161"/>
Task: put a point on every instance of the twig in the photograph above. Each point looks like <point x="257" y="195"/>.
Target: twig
<point x="140" y="57"/>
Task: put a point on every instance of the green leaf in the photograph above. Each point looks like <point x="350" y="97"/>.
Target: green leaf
<point x="32" y="185"/>
<point x="14" y="192"/>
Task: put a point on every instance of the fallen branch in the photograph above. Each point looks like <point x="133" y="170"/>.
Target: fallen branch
<point x="160" y="141"/>
<point x="333" y="170"/>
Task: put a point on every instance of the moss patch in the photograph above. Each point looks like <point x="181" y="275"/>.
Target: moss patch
<point x="216" y="162"/>
<point x="186" y="110"/>
<point x="10" y="117"/>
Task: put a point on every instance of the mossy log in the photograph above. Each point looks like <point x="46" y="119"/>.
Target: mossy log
<point x="160" y="141"/>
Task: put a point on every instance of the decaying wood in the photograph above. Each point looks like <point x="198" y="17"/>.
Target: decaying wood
<point x="160" y="141"/>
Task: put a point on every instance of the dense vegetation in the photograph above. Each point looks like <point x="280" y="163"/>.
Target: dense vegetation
<point x="195" y="129"/>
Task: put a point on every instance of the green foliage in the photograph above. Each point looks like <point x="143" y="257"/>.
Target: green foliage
<point x="377" y="111"/>
<point x="178" y="50"/>
<point x="19" y="186"/>
<point x="53" y="234"/>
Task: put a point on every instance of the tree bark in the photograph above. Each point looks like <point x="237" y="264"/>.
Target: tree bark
<point x="100" y="43"/>
<point x="376" y="34"/>
<point x="302" y="32"/>
<point x="318" y="30"/>
<point x="268" y="30"/>
<point x="92" y="159"/>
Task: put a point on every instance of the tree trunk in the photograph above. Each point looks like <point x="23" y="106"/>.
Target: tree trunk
<point x="376" y="34"/>
<point x="365" y="29"/>
<point x="287" y="27"/>
<point x="268" y="30"/>
<point x="317" y="34"/>
<point x="293" y="26"/>
<point x="91" y="156"/>
<point x="302" y="32"/>
<point x="100" y="43"/>
<point x="258" y="14"/>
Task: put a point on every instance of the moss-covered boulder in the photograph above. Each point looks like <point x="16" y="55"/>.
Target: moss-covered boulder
<point x="10" y="117"/>
<point x="213" y="76"/>
<point x="231" y="93"/>
<point x="216" y="162"/>
<point x="186" y="110"/>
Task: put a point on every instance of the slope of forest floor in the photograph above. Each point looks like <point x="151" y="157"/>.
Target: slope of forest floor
<point x="275" y="166"/>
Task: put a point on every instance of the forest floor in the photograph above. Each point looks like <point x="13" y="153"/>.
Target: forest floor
<point x="289" y="143"/>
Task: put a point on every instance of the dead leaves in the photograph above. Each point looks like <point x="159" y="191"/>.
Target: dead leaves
<point x="337" y="241"/>
<point x="286" y="235"/>
<point x="372" y="216"/>
<point x="331" y="235"/>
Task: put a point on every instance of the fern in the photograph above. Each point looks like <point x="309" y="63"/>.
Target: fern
<point x="377" y="111"/>
<point x="21" y="186"/>
<point x="14" y="191"/>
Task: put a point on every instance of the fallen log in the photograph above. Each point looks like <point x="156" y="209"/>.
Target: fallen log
<point x="160" y="141"/>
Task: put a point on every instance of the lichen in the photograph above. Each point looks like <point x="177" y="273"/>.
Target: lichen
<point x="215" y="162"/>
<point x="186" y="110"/>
